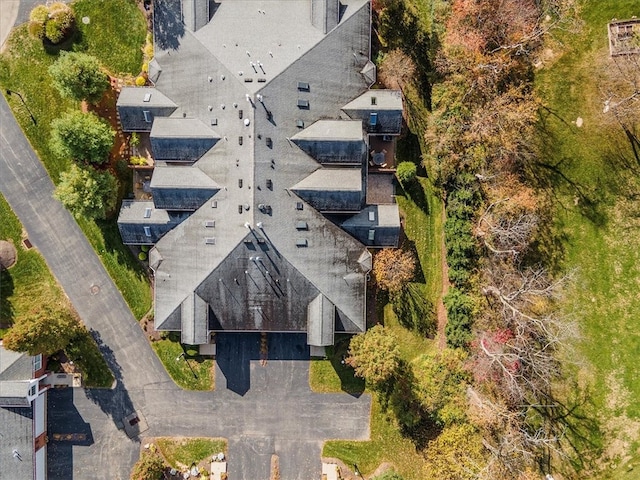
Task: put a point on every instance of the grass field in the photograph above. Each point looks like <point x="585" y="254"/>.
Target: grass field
<point x="594" y="178"/>
<point x="185" y="366"/>
<point x="115" y="35"/>
<point x="187" y="451"/>
<point x="29" y="284"/>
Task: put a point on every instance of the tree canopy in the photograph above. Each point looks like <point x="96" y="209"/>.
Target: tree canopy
<point x="86" y="192"/>
<point x="79" y="76"/>
<point x="393" y="268"/>
<point x="53" y="21"/>
<point x="375" y="355"/>
<point x="81" y="136"/>
<point x="44" y="330"/>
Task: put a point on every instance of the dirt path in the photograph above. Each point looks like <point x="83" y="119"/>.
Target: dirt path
<point x="441" y="311"/>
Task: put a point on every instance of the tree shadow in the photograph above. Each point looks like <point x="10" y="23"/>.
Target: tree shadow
<point x="414" y="311"/>
<point x="168" y="28"/>
<point x="398" y="396"/>
<point x="413" y="191"/>
<point x="578" y="432"/>
<point x="7" y="312"/>
<point x="337" y="354"/>
<point x="116" y="402"/>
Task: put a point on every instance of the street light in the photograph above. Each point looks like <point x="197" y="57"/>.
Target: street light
<point x="33" y="119"/>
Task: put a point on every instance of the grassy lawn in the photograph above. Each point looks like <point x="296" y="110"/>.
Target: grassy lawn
<point x="115" y="35"/>
<point x="191" y="371"/>
<point x="29" y="284"/>
<point x="331" y="375"/>
<point x="595" y="187"/>
<point x="187" y="451"/>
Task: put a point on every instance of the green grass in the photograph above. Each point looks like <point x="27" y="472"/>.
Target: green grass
<point x="188" y="451"/>
<point x="386" y="445"/>
<point x="191" y="371"/>
<point x="29" y="283"/>
<point x="331" y="375"/>
<point x="115" y="35"/>
<point x="596" y="233"/>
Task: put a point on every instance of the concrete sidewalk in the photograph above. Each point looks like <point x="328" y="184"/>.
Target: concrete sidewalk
<point x="8" y="15"/>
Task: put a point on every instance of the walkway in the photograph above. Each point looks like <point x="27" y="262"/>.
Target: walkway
<point x="271" y="417"/>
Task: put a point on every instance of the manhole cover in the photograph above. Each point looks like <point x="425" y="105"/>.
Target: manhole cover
<point x="86" y="20"/>
<point x="94" y="289"/>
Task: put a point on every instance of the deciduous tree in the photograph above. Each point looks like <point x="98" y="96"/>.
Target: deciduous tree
<point x="456" y="454"/>
<point x="375" y="355"/>
<point x="393" y="268"/>
<point x="86" y="192"/>
<point x="79" y="76"/>
<point x="81" y="136"/>
<point x="44" y="330"/>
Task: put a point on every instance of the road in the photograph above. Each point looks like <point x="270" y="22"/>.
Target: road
<point x="275" y="413"/>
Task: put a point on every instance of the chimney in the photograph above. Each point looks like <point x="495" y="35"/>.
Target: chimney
<point x="325" y="14"/>
<point x="195" y="14"/>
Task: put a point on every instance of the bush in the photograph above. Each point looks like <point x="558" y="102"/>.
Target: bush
<point x="142" y="256"/>
<point x="460" y="308"/>
<point x="81" y="136"/>
<point x="53" y="22"/>
<point x="134" y="160"/>
<point x="134" y="139"/>
<point x="406" y="172"/>
<point x="141" y="81"/>
<point x="144" y="248"/>
<point x="149" y="467"/>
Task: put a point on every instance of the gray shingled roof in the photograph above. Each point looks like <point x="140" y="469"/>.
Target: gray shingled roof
<point x="178" y="127"/>
<point x="384" y="100"/>
<point x="15" y="365"/>
<point x="332" y="130"/>
<point x="135" y="96"/>
<point x="17" y="434"/>
<point x="256" y="253"/>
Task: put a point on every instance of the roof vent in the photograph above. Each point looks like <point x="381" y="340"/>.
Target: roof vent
<point x="301" y="242"/>
<point x="303" y="86"/>
<point x="262" y="80"/>
<point x="259" y="225"/>
<point x="147" y="212"/>
<point x="147" y="231"/>
<point x="210" y="79"/>
<point x="302" y="225"/>
<point x="210" y="223"/>
<point x="299" y="205"/>
<point x="372" y="235"/>
<point x="239" y="183"/>
<point x="210" y="240"/>
<point x="147" y="97"/>
<point x="300" y="123"/>
<point x="240" y="140"/>
<point x="374" y="100"/>
<point x="240" y="209"/>
<point x="269" y="184"/>
<point x="240" y="114"/>
<point x="214" y="204"/>
<point x="303" y="103"/>
<point x="248" y="80"/>
<point x="372" y="216"/>
<point x="261" y="240"/>
<point x="269" y="142"/>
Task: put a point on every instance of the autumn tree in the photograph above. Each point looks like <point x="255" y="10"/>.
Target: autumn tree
<point x="393" y="268"/>
<point x="79" y="76"/>
<point x="397" y="69"/>
<point x="44" y="330"/>
<point x="81" y="136"/>
<point x="86" y="192"/>
<point x="375" y="355"/>
<point x="389" y="475"/>
<point x="149" y="467"/>
<point x="456" y="454"/>
<point x="441" y="383"/>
